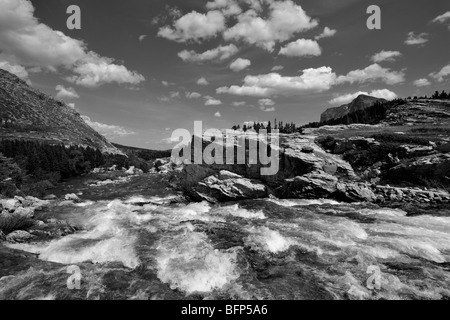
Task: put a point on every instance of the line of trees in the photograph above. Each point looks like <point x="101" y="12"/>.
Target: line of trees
<point x="435" y="96"/>
<point x="280" y="125"/>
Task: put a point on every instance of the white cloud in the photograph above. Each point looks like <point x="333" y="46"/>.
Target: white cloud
<point x="285" y="20"/>
<point x="108" y="130"/>
<point x="346" y="98"/>
<point x="301" y="48"/>
<point x="217" y="115"/>
<point x="240" y="64"/>
<point x="372" y="73"/>
<point x="219" y="53"/>
<point x="94" y="71"/>
<point x="277" y="68"/>
<point x="210" y="101"/>
<point x="266" y="105"/>
<point x="327" y="32"/>
<point x="194" y="26"/>
<point x="415" y="40"/>
<point x="72" y="105"/>
<point x="439" y="76"/>
<point x="142" y="37"/>
<point x="443" y="18"/>
<point x="227" y="7"/>
<point x="266" y="102"/>
<point x="17" y="70"/>
<point x="386" y="56"/>
<point x="267" y="109"/>
<point x="422" y="82"/>
<point x="65" y="93"/>
<point x="193" y="95"/>
<point x="202" y="82"/>
<point x="239" y="103"/>
<point x="312" y="80"/>
<point x="49" y="49"/>
<point x="174" y="94"/>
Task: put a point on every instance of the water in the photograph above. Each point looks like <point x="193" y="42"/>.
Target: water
<point x="137" y="244"/>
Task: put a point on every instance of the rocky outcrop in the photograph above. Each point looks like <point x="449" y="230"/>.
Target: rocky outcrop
<point x="305" y="171"/>
<point x="434" y="167"/>
<point x="19" y="236"/>
<point x="228" y="186"/>
<point x="411" y="195"/>
<point x="23" y="206"/>
<point x="360" y="103"/>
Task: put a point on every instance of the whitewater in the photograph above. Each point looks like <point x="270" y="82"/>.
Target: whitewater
<point x="141" y="243"/>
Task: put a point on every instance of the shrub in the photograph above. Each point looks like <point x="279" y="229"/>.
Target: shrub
<point x="13" y="222"/>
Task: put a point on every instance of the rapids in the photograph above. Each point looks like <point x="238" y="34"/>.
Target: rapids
<point x="137" y="243"/>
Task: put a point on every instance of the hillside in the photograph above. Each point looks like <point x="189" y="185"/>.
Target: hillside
<point x="362" y="102"/>
<point x="26" y="113"/>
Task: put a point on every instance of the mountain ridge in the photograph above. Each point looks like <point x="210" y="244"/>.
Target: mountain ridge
<point x="27" y="113"/>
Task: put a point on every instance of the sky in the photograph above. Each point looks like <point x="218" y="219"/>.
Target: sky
<point x="137" y="70"/>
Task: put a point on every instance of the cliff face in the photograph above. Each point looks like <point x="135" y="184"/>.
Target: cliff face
<point x="26" y="113"/>
<point x="360" y="103"/>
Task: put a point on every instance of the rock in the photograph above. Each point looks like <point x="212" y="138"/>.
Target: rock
<point x="25" y="212"/>
<point x="18" y="236"/>
<point x="228" y="187"/>
<point x="71" y="196"/>
<point x="308" y="149"/>
<point x="2" y="236"/>
<point x="313" y="185"/>
<point x="10" y="204"/>
<point x="131" y="171"/>
<point x="353" y="192"/>
<point x="50" y="197"/>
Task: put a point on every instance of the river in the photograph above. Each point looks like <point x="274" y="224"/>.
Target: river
<point x="138" y="243"/>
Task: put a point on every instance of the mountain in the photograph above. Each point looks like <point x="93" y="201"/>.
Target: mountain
<point x="360" y="103"/>
<point x="26" y="113"/>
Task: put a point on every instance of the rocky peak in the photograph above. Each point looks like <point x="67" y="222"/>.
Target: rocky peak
<point x="359" y="103"/>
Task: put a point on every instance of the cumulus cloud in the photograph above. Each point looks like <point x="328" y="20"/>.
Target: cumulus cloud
<point x="194" y="26"/>
<point x="267" y="109"/>
<point x="50" y="49"/>
<point x="108" y="130"/>
<point x="239" y="103"/>
<point x="210" y="101"/>
<point x="240" y="64"/>
<point x="385" y="56"/>
<point x="301" y="48"/>
<point x="312" y="80"/>
<point x="202" y="82"/>
<point x="217" y="115"/>
<point x="416" y="40"/>
<point x="346" y="98"/>
<point x="219" y="53"/>
<point x="277" y="68"/>
<point x="266" y="105"/>
<point x="142" y="37"/>
<point x="443" y="73"/>
<point x="327" y="32"/>
<point x="372" y="73"/>
<point x="422" y="82"/>
<point x="193" y="95"/>
<point x="285" y="19"/>
<point x="227" y="7"/>
<point x="65" y="93"/>
<point x="443" y="18"/>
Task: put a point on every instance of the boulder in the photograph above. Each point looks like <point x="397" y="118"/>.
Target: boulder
<point x="71" y="196"/>
<point x="313" y="185"/>
<point x="353" y="192"/>
<point x="18" y="236"/>
<point x="227" y="186"/>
